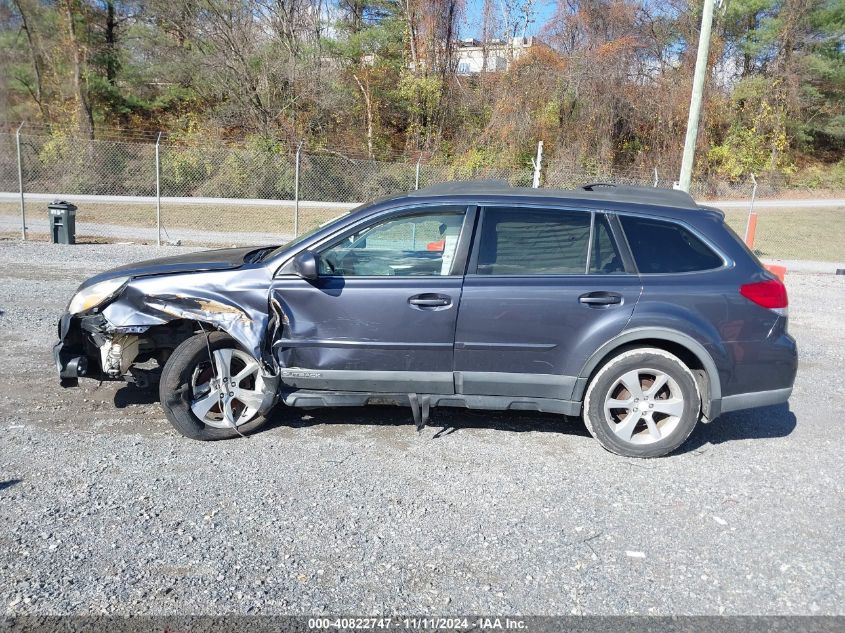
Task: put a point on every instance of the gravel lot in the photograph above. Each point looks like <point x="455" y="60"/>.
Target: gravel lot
<point x="106" y="510"/>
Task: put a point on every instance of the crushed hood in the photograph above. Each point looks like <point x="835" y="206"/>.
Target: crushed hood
<point x="219" y="259"/>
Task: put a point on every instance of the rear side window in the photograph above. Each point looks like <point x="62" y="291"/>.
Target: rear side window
<point x="666" y="247"/>
<point x="520" y="241"/>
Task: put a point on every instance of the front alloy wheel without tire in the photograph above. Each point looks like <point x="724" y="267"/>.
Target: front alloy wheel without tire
<point x="642" y="403"/>
<point x="211" y="389"/>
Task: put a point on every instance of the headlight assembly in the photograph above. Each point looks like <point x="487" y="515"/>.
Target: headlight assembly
<point x="92" y="296"/>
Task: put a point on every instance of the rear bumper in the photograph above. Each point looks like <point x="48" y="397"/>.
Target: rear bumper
<point x="755" y="399"/>
<point x="759" y="366"/>
<point x="766" y="373"/>
<point x="756" y="374"/>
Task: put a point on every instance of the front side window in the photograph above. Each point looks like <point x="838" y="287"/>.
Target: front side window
<point x="666" y="247"/>
<point x="524" y="241"/>
<point x="409" y="245"/>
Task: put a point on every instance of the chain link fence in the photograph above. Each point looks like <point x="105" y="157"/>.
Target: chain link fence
<point x="218" y="194"/>
<point x="568" y="176"/>
<point x="8" y="163"/>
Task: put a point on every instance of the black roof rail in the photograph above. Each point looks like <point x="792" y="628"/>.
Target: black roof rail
<point x="675" y="197"/>
<point x="597" y="191"/>
<point x="592" y="185"/>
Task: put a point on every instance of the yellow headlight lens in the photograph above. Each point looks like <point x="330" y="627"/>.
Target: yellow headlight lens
<point x="92" y="296"/>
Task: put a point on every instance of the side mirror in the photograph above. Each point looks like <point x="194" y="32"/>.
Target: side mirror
<point x="306" y="265"/>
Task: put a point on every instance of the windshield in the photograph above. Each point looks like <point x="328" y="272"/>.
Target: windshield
<point x="306" y="235"/>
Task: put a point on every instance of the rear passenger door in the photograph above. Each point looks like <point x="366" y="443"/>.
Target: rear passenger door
<point x="545" y="287"/>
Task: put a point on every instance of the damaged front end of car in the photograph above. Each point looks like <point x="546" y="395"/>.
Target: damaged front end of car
<point x="126" y="328"/>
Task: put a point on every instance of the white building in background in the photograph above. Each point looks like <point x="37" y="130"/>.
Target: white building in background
<point x="500" y="54"/>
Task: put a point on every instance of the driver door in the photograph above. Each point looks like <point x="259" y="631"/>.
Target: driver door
<point x="381" y="315"/>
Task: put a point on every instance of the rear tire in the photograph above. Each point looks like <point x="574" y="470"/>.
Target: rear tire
<point x="642" y="403"/>
<point x="188" y="385"/>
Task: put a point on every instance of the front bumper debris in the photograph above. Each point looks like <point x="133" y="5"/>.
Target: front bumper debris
<point x="72" y="353"/>
<point x="70" y="365"/>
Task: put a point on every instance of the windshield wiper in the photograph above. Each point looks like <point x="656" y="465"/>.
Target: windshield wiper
<point x="258" y="255"/>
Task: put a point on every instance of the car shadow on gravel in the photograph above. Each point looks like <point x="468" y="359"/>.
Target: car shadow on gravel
<point x="129" y="395"/>
<point x="764" y="423"/>
<point x="754" y="424"/>
<point x="447" y="420"/>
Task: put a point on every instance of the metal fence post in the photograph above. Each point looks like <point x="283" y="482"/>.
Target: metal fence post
<point x="20" y="180"/>
<point x="296" y="192"/>
<point x="417" y="175"/>
<point x="538" y="163"/>
<point x="158" y="192"/>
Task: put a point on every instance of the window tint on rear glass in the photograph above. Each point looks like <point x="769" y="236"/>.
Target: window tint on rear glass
<point x="521" y="241"/>
<point x="665" y="247"/>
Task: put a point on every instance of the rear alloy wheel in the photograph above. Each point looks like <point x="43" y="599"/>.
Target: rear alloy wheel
<point x="211" y="389"/>
<point x="642" y="403"/>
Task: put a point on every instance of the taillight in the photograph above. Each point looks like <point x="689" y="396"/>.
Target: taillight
<point x="770" y="294"/>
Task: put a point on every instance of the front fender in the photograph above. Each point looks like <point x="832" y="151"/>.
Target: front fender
<point x="234" y="302"/>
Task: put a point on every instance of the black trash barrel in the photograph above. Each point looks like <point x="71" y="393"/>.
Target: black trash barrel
<point x="62" y="222"/>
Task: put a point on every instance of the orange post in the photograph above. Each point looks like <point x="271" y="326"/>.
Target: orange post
<point x="780" y="271"/>
<point x="751" y="229"/>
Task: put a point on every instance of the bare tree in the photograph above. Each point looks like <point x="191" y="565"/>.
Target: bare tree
<point x="26" y="9"/>
<point x="72" y="11"/>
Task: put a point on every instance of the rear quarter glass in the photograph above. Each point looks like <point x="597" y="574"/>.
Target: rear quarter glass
<point x="740" y="243"/>
<point x="667" y="247"/>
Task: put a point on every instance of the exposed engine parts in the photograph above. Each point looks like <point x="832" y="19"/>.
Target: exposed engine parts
<point x="118" y="353"/>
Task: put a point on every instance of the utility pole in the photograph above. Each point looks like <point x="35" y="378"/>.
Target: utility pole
<point x="697" y="94"/>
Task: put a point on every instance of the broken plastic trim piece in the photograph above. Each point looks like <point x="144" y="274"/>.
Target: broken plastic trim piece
<point x="420" y="409"/>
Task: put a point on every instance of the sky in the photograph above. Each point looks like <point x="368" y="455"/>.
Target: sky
<point x="542" y="11"/>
